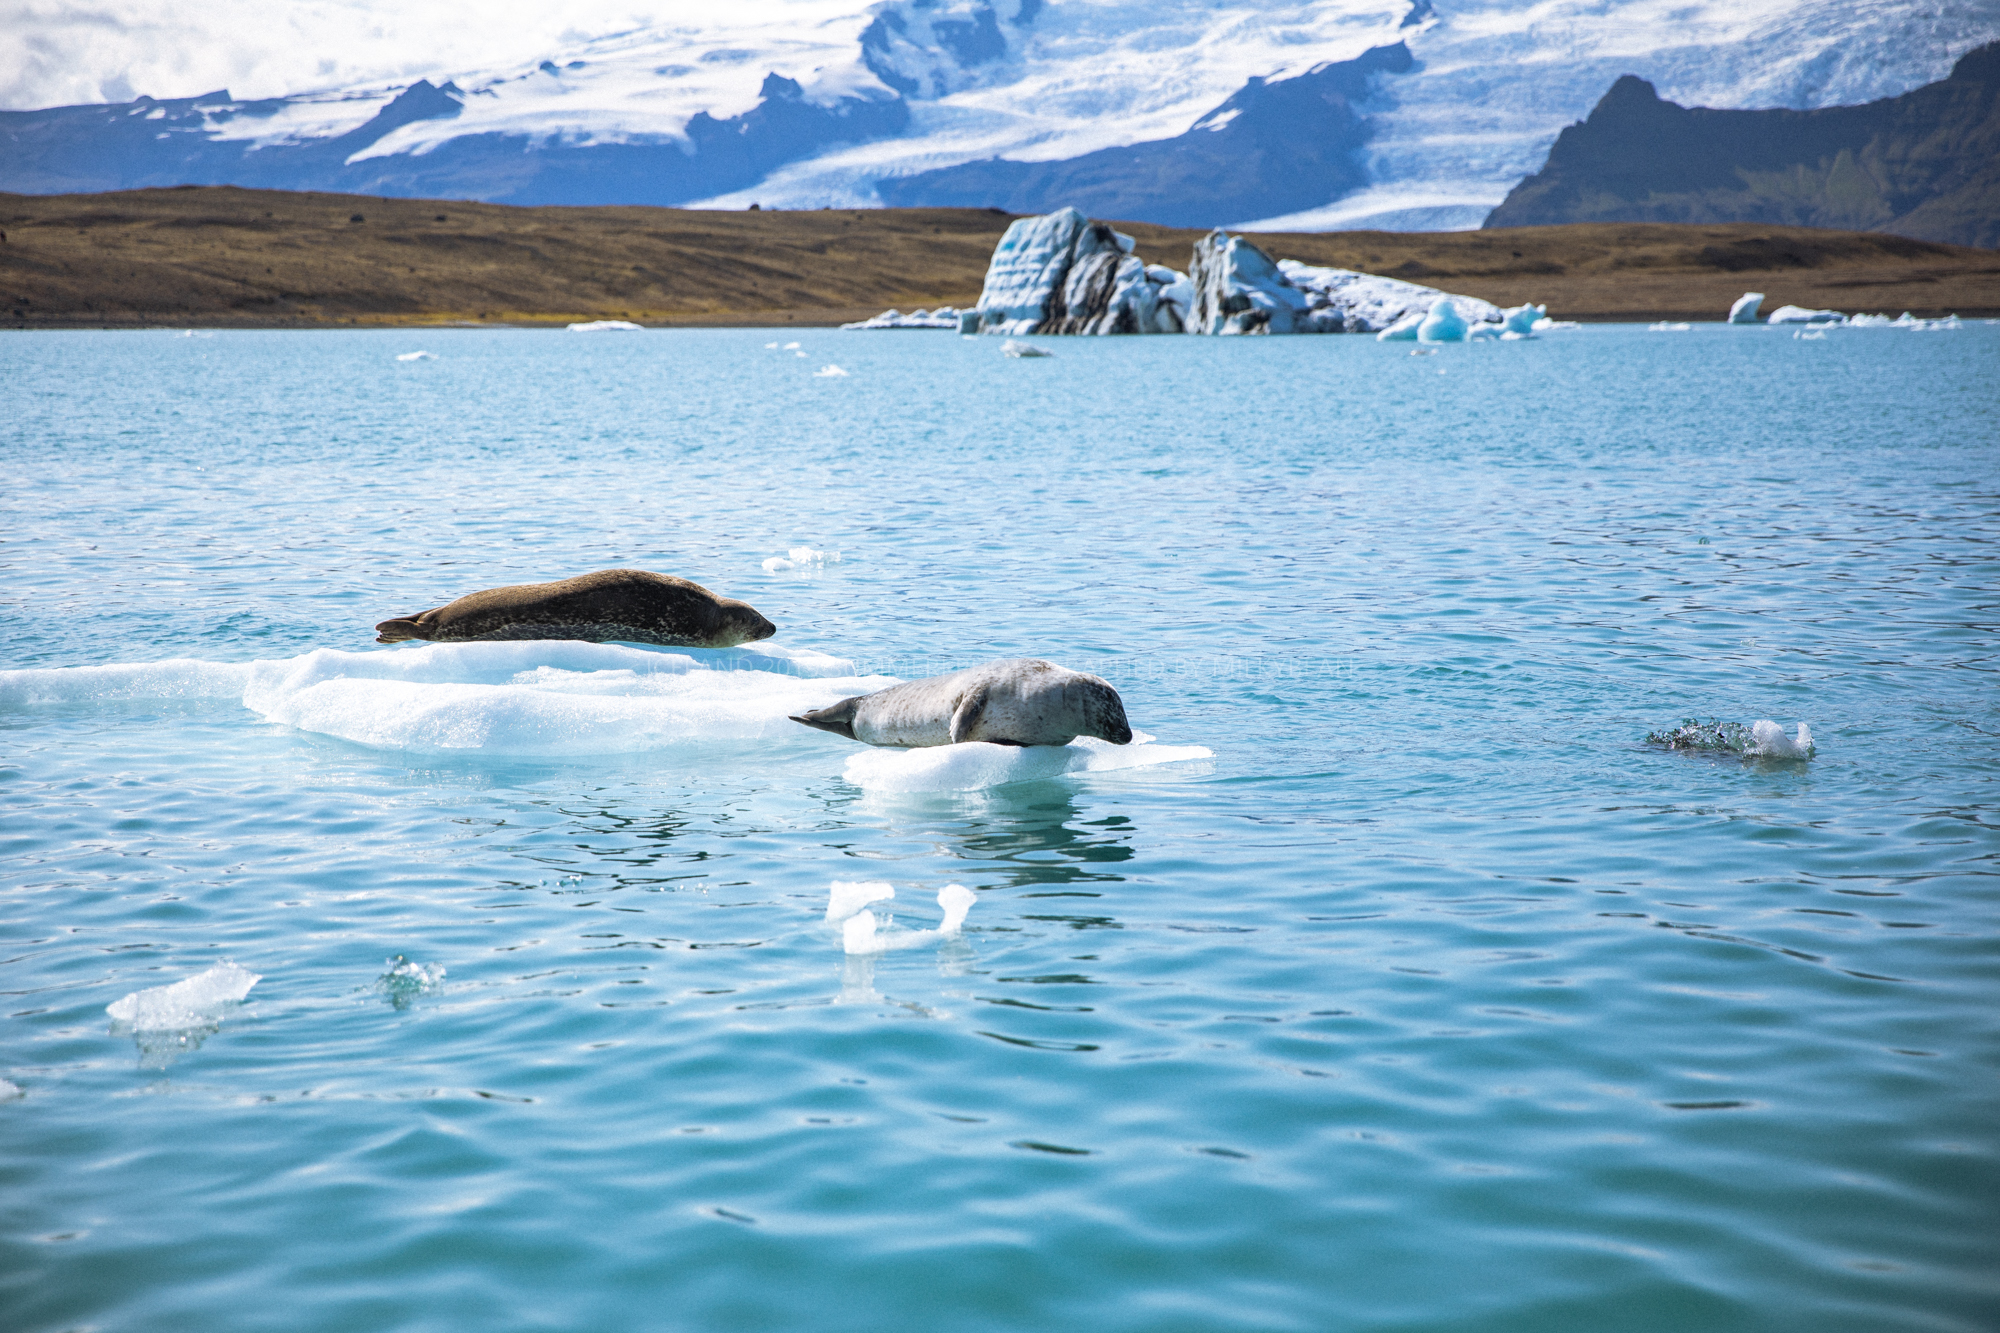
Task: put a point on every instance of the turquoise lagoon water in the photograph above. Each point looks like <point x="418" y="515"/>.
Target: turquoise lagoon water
<point x="1432" y="998"/>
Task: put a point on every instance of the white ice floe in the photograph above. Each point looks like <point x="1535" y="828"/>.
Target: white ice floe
<point x="845" y="897"/>
<point x="415" y="356"/>
<point x="1546" y="325"/>
<point x="800" y="557"/>
<point x="1668" y="326"/>
<point x="829" y="373"/>
<point x="1023" y="351"/>
<point x="944" y="317"/>
<point x="607" y="326"/>
<point x="861" y="933"/>
<point x="789" y="347"/>
<point x="541" y="697"/>
<point x="1816" y="335"/>
<point x="1745" y="309"/>
<point x="198" y="1001"/>
<point x="1794" y="314"/>
<point x="1769" y="739"/>
<point x="975" y="765"/>
<point x="9" y="1091"/>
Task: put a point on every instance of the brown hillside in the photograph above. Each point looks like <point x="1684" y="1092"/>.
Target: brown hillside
<point x="221" y="256"/>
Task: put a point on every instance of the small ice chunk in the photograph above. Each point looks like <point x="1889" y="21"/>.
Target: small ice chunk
<point x="770" y="347"/>
<point x="9" y="1091"/>
<point x="607" y="326"/>
<point x="415" y="356"/>
<point x="1769" y="739"/>
<point x="1668" y="326"/>
<point x="1521" y="320"/>
<point x="801" y="557"/>
<point x="1443" y="324"/>
<point x="829" y="373"/>
<point x="861" y="936"/>
<point x="1816" y="335"/>
<point x="976" y="765"/>
<point x="1794" y="314"/>
<point x="1024" y="351"/>
<point x="195" y="1002"/>
<point x="791" y="347"/>
<point x="1403" y="330"/>
<point x="1745" y="309"/>
<point x="407" y="980"/>
<point x="847" y="896"/>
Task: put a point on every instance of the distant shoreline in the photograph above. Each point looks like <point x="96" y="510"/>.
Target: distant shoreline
<point x="218" y="257"/>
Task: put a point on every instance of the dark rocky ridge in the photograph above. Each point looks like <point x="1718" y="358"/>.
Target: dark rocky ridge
<point x="1925" y="164"/>
<point x="1270" y="149"/>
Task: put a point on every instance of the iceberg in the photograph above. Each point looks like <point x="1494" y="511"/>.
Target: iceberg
<point x="197" y="1001"/>
<point x="1443" y="324"/>
<point x="1745" y="309"/>
<point x="1522" y="320"/>
<point x="1792" y="314"/>
<point x="1063" y="273"/>
<point x="1026" y="351"/>
<point x="944" y="317"/>
<point x="1240" y="289"/>
<point x="607" y="326"/>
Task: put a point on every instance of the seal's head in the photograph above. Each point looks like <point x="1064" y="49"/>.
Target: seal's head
<point x="837" y="718"/>
<point x="739" y="622"/>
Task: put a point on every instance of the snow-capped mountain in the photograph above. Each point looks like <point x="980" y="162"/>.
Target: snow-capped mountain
<point x="1328" y="114"/>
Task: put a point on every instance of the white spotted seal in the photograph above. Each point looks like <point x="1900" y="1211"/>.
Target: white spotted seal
<point x="629" y="605"/>
<point x="1021" y="701"/>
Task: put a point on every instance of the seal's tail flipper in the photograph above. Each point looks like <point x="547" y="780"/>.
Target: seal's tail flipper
<point x="965" y="718"/>
<point x="395" y="631"/>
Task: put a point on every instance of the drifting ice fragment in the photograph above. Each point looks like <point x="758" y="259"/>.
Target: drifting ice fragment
<point x="1521" y="320"/>
<point x="1667" y="326"/>
<point x="800" y="557"/>
<point x="1024" y="350"/>
<point x="415" y="356"/>
<point x="829" y="373"/>
<point x="1745" y="309"/>
<point x="944" y="317"/>
<point x="9" y="1091"/>
<point x="608" y="326"/>
<point x="860" y="936"/>
<point x="1793" y="314"/>
<point x="195" y="1002"/>
<point x="1771" y="741"/>
<point x="407" y="980"/>
<point x="847" y="896"/>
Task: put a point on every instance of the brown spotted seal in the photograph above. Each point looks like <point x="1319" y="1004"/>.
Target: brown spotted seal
<point x="629" y="605"/>
<point x="1020" y="701"/>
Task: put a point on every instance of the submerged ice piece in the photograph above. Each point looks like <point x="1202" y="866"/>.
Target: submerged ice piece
<point x="1745" y="309"/>
<point x="1019" y="701"/>
<point x="1063" y="273"/>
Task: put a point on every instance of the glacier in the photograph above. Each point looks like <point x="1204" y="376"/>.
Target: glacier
<point x="810" y="103"/>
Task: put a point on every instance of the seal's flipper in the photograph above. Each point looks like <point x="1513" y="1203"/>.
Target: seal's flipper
<point x="836" y="718"/>
<point x="417" y="626"/>
<point x="965" y="718"/>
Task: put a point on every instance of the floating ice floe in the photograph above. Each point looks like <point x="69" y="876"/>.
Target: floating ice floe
<point x="1239" y="289"/>
<point x="607" y="326"/>
<point x="1761" y="739"/>
<point x="829" y="373"/>
<point x="1745" y="309"/>
<point x="1816" y="335"/>
<point x="1794" y="314"/>
<point x="415" y="356"/>
<point x="976" y="765"/>
<point x="1667" y="326"/>
<point x="198" y="1001"/>
<point x="862" y="933"/>
<point x="9" y="1091"/>
<point x="539" y="697"/>
<point x="800" y="557"/>
<point x="944" y="317"/>
<point x="1522" y="320"/>
<point x="1024" y="351"/>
